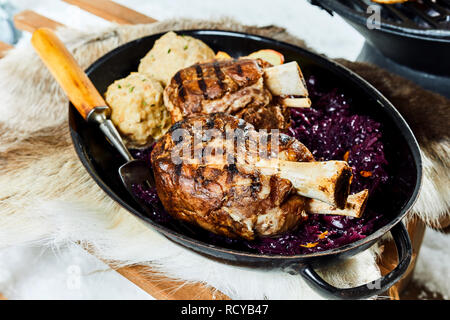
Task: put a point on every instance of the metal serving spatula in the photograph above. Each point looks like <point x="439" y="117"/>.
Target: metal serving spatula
<point x="89" y="103"/>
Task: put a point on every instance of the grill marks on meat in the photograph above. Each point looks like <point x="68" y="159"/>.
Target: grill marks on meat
<point x="231" y="86"/>
<point x="181" y="90"/>
<point x="234" y="200"/>
<point x="220" y="76"/>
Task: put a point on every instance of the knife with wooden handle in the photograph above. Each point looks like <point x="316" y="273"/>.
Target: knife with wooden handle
<point x="76" y="84"/>
<point x="62" y="65"/>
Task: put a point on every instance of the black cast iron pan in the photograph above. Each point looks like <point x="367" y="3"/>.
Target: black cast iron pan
<point x="102" y="161"/>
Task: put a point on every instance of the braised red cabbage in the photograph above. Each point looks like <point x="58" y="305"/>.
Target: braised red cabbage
<point x="332" y="132"/>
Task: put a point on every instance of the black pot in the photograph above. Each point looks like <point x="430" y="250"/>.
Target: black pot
<point x="102" y="161"/>
<point x="420" y="48"/>
<point x="414" y="52"/>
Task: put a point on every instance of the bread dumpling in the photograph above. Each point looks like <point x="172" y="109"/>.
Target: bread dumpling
<point x="172" y="53"/>
<point x="137" y="109"/>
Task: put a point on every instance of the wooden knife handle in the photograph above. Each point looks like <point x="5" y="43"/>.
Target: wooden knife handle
<point x="67" y="72"/>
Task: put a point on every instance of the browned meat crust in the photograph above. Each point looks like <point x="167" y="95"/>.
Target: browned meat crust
<point x="268" y="117"/>
<point x="234" y="200"/>
<point x="232" y="86"/>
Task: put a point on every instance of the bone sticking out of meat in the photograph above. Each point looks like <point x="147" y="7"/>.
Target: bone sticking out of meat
<point x="354" y="207"/>
<point x="318" y="181"/>
<point x="286" y="80"/>
<point x="238" y="87"/>
<point x="296" y="102"/>
<point x="223" y="190"/>
<point x="327" y="181"/>
<point x="233" y="200"/>
<point x="305" y="185"/>
<point x="220" y="86"/>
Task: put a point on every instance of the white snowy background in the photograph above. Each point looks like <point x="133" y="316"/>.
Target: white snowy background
<point x="71" y="273"/>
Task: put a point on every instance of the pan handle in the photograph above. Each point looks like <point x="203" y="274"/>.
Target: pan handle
<point x="404" y="249"/>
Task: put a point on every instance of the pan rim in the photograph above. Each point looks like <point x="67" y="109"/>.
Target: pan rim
<point x="332" y="66"/>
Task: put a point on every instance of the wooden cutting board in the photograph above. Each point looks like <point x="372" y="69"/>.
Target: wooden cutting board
<point x="112" y="11"/>
<point x="30" y="21"/>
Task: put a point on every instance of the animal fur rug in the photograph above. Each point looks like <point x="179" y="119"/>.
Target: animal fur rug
<point x="47" y="197"/>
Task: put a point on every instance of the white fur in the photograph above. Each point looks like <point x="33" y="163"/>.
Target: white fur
<point x="433" y="267"/>
<point x="120" y="237"/>
<point x="434" y="198"/>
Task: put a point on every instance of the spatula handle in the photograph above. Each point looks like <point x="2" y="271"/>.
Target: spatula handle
<point x="67" y="72"/>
